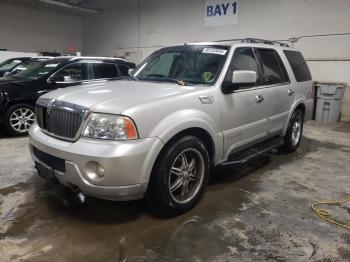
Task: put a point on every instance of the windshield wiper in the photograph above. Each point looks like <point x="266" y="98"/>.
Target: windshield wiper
<point x="174" y="80"/>
<point x="128" y="77"/>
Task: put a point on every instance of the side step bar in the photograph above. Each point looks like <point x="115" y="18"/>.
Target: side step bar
<point x="246" y="154"/>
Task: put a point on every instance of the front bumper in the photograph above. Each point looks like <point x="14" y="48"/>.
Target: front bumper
<point x="127" y="165"/>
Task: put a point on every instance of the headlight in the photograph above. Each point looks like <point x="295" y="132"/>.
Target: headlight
<point x="110" y="127"/>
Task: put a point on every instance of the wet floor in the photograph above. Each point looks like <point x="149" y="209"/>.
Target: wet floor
<point x="259" y="211"/>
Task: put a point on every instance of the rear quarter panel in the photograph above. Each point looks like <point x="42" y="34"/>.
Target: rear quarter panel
<point x="303" y="93"/>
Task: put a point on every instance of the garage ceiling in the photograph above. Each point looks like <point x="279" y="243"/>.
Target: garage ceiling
<point x="70" y="6"/>
<point x="86" y="6"/>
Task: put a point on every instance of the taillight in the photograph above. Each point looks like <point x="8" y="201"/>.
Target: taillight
<point x="311" y="93"/>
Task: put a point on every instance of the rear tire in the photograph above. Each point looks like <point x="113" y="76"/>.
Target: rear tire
<point x="179" y="177"/>
<point x="18" y="119"/>
<point x="294" y="132"/>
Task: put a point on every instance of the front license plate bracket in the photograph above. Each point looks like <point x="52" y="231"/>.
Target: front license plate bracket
<point x="46" y="172"/>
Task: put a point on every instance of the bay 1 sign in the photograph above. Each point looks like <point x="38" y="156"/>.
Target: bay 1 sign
<point x="220" y="13"/>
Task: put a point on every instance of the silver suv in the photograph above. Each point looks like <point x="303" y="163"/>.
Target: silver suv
<point x="157" y="133"/>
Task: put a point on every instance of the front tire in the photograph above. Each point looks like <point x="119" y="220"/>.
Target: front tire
<point x="294" y="132"/>
<point x="18" y="119"/>
<point x="179" y="177"/>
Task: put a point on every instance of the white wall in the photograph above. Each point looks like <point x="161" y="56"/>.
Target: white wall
<point x="161" y="23"/>
<point x="114" y="30"/>
<point x="4" y="55"/>
<point x="135" y="28"/>
<point x="29" y="27"/>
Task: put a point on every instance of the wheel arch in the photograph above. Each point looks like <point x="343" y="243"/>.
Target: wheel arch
<point x="19" y="101"/>
<point x="201" y="134"/>
<point x="174" y="127"/>
<point x="297" y="105"/>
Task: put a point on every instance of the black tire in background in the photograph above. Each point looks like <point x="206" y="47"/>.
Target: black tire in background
<point x="163" y="194"/>
<point x="18" y="119"/>
<point x="294" y="132"/>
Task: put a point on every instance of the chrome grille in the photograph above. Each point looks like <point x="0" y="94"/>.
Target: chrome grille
<point x="40" y="112"/>
<point x="60" y="119"/>
<point x="63" y="123"/>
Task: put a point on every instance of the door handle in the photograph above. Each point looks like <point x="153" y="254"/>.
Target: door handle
<point x="259" y="98"/>
<point x="290" y="92"/>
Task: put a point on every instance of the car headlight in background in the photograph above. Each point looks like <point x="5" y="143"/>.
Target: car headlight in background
<point x="110" y="127"/>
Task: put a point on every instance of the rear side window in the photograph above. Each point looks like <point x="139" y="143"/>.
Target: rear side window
<point x="272" y="67"/>
<point x="105" y="70"/>
<point x="74" y="72"/>
<point x="298" y="65"/>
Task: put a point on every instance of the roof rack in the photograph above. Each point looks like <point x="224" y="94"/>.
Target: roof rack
<point x="254" y="40"/>
<point x="95" y="57"/>
<point x="263" y="41"/>
<point x="228" y="40"/>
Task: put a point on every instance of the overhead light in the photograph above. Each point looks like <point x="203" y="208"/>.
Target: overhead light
<point x="71" y="6"/>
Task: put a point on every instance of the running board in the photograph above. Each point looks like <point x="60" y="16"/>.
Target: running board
<point x="244" y="155"/>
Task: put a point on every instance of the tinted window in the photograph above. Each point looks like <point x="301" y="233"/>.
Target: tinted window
<point x="103" y="70"/>
<point x="298" y="65"/>
<point x="74" y="72"/>
<point x="9" y="64"/>
<point x="272" y="66"/>
<point x="25" y="66"/>
<point x="244" y="59"/>
<point x="41" y="69"/>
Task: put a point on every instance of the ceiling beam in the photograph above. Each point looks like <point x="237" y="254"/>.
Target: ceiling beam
<point x="71" y="6"/>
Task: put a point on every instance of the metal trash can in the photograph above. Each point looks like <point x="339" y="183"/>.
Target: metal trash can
<point x="329" y="101"/>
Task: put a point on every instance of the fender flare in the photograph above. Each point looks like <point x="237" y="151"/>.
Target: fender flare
<point x="296" y="104"/>
<point x="179" y="121"/>
<point x="176" y="123"/>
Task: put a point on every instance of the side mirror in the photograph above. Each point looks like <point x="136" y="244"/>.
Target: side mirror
<point x="131" y="65"/>
<point x="6" y="74"/>
<point x="239" y="78"/>
<point x="130" y="71"/>
<point x="243" y="78"/>
<point x="55" y="79"/>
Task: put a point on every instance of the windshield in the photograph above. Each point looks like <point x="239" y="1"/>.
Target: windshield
<point x="26" y="66"/>
<point x="40" y="69"/>
<point x="9" y="64"/>
<point x="183" y="64"/>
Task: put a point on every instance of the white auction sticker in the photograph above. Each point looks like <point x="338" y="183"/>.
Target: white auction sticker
<point x="215" y="51"/>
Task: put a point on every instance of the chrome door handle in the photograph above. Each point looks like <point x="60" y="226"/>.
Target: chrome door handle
<point x="259" y="98"/>
<point x="290" y="92"/>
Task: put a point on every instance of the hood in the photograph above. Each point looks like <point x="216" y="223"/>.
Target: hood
<point x="115" y="96"/>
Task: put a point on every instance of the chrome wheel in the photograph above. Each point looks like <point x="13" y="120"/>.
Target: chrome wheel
<point x="186" y="176"/>
<point x="296" y="130"/>
<point x="22" y="119"/>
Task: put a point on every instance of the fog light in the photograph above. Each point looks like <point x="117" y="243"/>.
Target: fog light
<point x="94" y="170"/>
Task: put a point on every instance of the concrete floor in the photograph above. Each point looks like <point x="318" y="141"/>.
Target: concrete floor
<point x="254" y="212"/>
